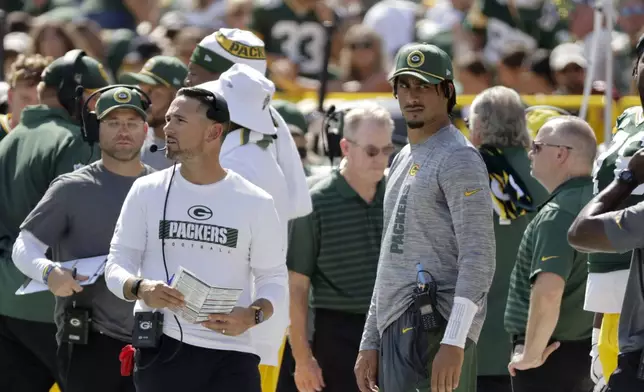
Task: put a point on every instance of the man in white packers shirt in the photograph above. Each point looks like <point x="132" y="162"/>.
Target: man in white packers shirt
<point x="158" y="231"/>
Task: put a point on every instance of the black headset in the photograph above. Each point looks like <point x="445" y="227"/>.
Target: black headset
<point x="73" y="68"/>
<point x="89" y="120"/>
<point x="217" y="108"/>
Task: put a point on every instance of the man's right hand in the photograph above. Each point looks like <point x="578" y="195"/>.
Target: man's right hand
<point x="366" y="370"/>
<point x="308" y="375"/>
<point x="158" y="295"/>
<point x="62" y="283"/>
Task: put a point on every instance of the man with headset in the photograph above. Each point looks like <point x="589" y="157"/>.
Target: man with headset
<point x="215" y="55"/>
<point x="45" y="144"/>
<point x="217" y="225"/>
<point x="76" y="219"/>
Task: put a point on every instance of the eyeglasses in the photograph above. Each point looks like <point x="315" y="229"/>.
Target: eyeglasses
<point x="129" y="125"/>
<point x="360" y="45"/>
<point x="537" y="146"/>
<point x="373" y="151"/>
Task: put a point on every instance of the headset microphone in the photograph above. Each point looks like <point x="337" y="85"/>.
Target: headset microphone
<point x="155" y="148"/>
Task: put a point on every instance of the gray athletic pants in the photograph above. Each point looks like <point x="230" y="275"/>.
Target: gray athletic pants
<point x="407" y="353"/>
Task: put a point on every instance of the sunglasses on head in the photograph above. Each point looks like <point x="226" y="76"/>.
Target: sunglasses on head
<point x="373" y="151"/>
<point x="538" y="146"/>
<point x="360" y="45"/>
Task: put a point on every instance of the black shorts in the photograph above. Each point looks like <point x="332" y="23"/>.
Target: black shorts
<point x="195" y="369"/>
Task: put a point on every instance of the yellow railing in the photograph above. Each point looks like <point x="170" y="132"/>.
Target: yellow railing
<point x="567" y="102"/>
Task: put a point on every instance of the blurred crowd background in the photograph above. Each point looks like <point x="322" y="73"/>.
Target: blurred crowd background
<point x="537" y="47"/>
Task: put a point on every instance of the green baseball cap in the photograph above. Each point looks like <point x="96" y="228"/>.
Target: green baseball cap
<point x="159" y="70"/>
<point x="426" y="62"/>
<point x="92" y="75"/>
<point x="119" y="98"/>
<point x="292" y="115"/>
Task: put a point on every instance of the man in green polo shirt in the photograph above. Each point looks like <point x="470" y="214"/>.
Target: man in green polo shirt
<point x="46" y="143"/>
<point x="334" y="251"/>
<point x="551" y="332"/>
<point x="160" y="78"/>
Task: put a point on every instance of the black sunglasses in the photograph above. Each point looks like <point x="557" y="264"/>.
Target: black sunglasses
<point x="538" y="146"/>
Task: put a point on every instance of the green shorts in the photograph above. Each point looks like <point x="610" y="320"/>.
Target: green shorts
<point x="407" y="353"/>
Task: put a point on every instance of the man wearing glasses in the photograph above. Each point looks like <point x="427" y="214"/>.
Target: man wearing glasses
<point x="551" y="332"/>
<point x="334" y="250"/>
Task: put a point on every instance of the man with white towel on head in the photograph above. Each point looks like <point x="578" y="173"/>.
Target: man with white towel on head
<point x="249" y="149"/>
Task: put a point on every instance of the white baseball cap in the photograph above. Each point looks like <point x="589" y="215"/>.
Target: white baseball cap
<point x="567" y="53"/>
<point x="248" y="94"/>
<point x="225" y="47"/>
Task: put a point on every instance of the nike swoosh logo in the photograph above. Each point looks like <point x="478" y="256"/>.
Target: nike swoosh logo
<point x="548" y="258"/>
<point x="470" y="193"/>
<point x="405" y="330"/>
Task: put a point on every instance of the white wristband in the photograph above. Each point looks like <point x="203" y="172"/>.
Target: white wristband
<point x="460" y="321"/>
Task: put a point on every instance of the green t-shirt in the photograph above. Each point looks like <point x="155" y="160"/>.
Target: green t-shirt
<point x="299" y="37"/>
<point x="627" y="139"/>
<point x="337" y="246"/>
<point x="544" y="248"/>
<point x="533" y="26"/>
<point x="45" y="144"/>
<point x="493" y="348"/>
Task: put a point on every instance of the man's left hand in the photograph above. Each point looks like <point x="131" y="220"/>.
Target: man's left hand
<point x="232" y="324"/>
<point x="446" y="368"/>
<point x="521" y="362"/>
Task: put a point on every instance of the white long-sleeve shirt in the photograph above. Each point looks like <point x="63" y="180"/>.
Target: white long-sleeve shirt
<point x="225" y="233"/>
<point x="259" y="166"/>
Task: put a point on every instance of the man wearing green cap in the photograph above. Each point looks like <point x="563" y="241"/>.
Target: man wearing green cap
<point x="438" y="249"/>
<point x="45" y="144"/>
<point x="76" y="218"/>
<point x="160" y="78"/>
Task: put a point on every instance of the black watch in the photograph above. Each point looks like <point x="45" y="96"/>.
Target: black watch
<point x="259" y="314"/>
<point x="135" y="288"/>
<point x="626" y="177"/>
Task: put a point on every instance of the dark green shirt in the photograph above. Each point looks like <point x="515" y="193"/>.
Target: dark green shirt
<point x="627" y="137"/>
<point x="45" y="144"/>
<point x="299" y="37"/>
<point x="337" y="246"/>
<point x="493" y="348"/>
<point x="545" y="248"/>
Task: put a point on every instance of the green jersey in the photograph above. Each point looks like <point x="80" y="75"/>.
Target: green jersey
<point x="299" y="37"/>
<point x="535" y="24"/>
<point x="628" y="137"/>
<point x="45" y="144"/>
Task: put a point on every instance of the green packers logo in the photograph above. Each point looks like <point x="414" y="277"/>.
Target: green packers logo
<point x="415" y="59"/>
<point x="122" y="96"/>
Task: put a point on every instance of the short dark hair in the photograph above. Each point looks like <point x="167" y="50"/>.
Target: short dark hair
<point x="214" y="104"/>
